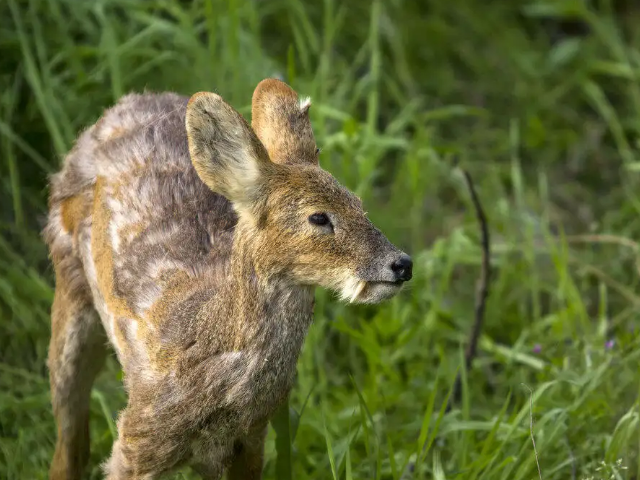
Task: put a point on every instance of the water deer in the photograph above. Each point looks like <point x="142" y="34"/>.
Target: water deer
<point x="191" y="243"/>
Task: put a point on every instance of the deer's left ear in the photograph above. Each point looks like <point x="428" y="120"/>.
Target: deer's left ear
<point x="281" y="121"/>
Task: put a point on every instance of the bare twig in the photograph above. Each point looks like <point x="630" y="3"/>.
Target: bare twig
<point x="482" y="289"/>
<point x="533" y="440"/>
<point x="482" y="293"/>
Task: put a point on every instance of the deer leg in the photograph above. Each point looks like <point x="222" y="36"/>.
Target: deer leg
<point x="77" y="351"/>
<point x="206" y="471"/>
<point x="148" y="445"/>
<point x="248" y="456"/>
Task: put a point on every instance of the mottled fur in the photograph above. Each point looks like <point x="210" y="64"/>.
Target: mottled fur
<point x="183" y="233"/>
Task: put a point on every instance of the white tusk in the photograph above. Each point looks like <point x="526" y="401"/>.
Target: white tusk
<point x="358" y="290"/>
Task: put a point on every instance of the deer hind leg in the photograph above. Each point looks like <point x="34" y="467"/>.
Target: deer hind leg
<point x="76" y="353"/>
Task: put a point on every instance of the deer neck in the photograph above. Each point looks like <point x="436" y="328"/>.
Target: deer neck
<point x="265" y="303"/>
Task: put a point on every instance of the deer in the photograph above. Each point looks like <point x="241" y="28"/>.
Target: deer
<point x="191" y="243"/>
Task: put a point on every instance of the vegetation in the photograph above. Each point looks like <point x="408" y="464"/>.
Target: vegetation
<point x="546" y="121"/>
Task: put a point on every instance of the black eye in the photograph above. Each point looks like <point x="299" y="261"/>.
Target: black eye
<point x="318" y="151"/>
<point x="319" y="219"/>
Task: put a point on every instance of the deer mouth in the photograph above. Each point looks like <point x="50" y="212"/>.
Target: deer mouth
<point x="375" y="291"/>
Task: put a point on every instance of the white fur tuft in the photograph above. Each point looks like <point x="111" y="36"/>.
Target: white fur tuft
<point x="305" y="103"/>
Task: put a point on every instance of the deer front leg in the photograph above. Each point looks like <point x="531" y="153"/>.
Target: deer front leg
<point x="147" y="446"/>
<point x="210" y="456"/>
<point x="248" y="456"/>
<point x="241" y="459"/>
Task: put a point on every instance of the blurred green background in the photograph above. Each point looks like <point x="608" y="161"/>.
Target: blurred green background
<point x="540" y="101"/>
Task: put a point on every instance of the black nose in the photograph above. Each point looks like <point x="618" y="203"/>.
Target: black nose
<point x="402" y="268"/>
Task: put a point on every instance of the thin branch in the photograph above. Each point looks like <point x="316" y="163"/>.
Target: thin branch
<point x="482" y="293"/>
<point x="482" y="289"/>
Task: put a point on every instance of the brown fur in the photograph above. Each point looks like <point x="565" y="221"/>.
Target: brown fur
<point x="282" y="125"/>
<point x="185" y="233"/>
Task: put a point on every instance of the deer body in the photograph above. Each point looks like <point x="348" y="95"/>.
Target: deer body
<point x="194" y="242"/>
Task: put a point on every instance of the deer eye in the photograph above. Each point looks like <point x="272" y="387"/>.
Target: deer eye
<point x="320" y="219"/>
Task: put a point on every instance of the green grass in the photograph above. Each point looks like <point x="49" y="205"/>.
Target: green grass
<point x="549" y="132"/>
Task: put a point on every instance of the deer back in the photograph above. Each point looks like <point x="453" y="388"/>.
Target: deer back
<point x="137" y="227"/>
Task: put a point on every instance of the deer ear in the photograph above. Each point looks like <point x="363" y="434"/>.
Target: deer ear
<point x="281" y="120"/>
<point x="226" y="153"/>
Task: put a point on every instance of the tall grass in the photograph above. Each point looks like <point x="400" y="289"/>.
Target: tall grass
<point x="548" y="129"/>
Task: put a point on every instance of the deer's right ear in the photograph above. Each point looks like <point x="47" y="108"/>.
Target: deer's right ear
<point x="226" y="153"/>
<point x="280" y="118"/>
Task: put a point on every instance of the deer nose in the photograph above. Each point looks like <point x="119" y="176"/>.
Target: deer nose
<point x="402" y="268"/>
